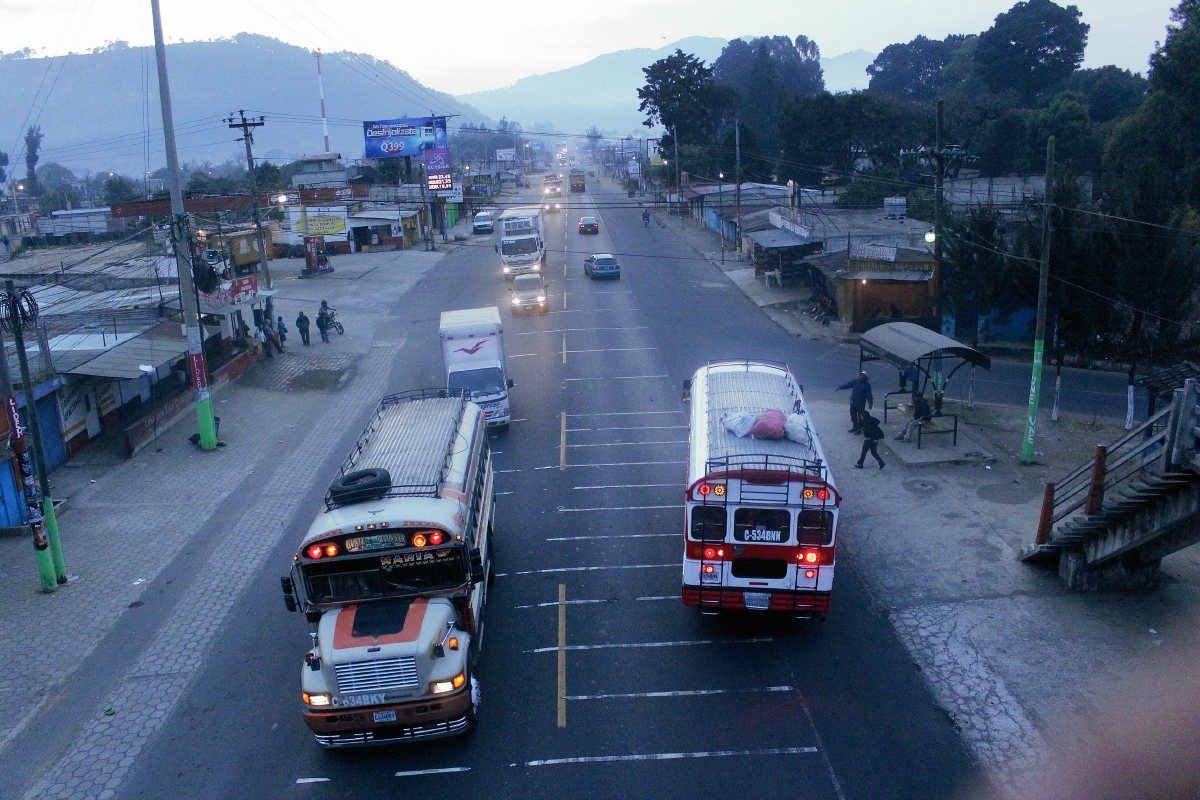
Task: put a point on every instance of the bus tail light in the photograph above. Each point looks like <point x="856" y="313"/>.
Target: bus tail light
<point x="710" y="573"/>
<point x="419" y="540"/>
<point x="810" y="573"/>
<point x="435" y="537"/>
<point x="331" y="550"/>
<point x="315" y="552"/>
<point x="809" y="557"/>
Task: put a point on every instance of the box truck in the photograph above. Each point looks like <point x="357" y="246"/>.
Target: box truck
<point x="473" y="353"/>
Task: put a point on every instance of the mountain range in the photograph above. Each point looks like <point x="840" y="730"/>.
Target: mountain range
<point x="99" y="111"/>
<point x="95" y="108"/>
<point x="603" y="91"/>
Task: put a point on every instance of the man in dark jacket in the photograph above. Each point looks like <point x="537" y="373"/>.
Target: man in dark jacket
<point x="302" y="326"/>
<point x="922" y="413"/>
<point x="872" y="436"/>
<point x="860" y="399"/>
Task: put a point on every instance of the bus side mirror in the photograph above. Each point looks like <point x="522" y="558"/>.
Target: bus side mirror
<point x="477" y="571"/>
<point x="289" y="593"/>
<point x="510" y="383"/>
<point x="687" y="391"/>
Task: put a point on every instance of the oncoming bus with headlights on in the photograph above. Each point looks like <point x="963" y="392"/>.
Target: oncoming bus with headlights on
<point x="761" y="514"/>
<point x="392" y="576"/>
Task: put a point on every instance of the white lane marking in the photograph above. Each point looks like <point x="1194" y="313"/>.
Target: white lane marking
<point x="499" y="494"/>
<point x="612" y="536"/>
<point x="628" y="645"/>
<point x="676" y="565"/>
<point x="501" y="471"/>
<point x="626" y="485"/>
<point x="590" y="310"/>
<point x="772" y="751"/>
<point x="641" y="428"/>
<point x="626" y="444"/>
<point x="583" y="330"/>
<point x="522" y="355"/>
<point x="613" y="350"/>
<point x="441" y="771"/>
<point x="662" y="597"/>
<point x="679" y="693"/>
<point x="569" y="602"/>
<point x="623" y="413"/>
<point x="622" y="464"/>
<point x="616" y="508"/>
<point x="616" y="378"/>
<point x="311" y="780"/>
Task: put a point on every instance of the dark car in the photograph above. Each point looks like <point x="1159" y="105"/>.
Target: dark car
<point x="589" y="225"/>
<point x="601" y="265"/>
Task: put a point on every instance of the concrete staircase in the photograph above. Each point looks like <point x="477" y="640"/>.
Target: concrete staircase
<point x="1110" y="522"/>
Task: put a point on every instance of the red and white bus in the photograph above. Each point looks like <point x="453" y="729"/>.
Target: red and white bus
<point x="761" y="524"/>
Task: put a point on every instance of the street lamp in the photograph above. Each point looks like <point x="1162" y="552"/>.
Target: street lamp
<point x="931" y="237"/>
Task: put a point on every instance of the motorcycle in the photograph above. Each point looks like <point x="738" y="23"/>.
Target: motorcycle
<point x="646" y="220"/>
<point x="331" y="318"/>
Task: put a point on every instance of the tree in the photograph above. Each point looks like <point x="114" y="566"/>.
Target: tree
<point x="58" y="199"/>
<point x="913" y="71"/>
<point x="1032" y="48"/>
<point x="1111" y="92"/>
<point x="1077" y="141"/>
<point x="674" y="95"/>
<point x="118" y="189"/>
<point x="54" y="176"/>
<point x="269" y="177"/>
<point x="593" y="139"/>
<point x="33" y="143"/>
<point x="977" y="274"/>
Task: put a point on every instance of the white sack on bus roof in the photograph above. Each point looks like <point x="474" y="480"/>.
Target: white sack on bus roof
<point x="796" y="429"/>
<point x="739" y="423"/>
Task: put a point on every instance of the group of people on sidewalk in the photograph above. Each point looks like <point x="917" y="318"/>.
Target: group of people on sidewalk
<point x="861" y="422"/>
<point x="274" y="336"/>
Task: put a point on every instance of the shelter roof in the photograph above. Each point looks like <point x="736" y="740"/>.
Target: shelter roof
<point x="1163" y="382"/>
<point x="903" y="343"/>
<point x="776" y="238"/>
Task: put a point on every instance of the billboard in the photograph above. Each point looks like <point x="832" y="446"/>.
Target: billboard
<point x="507" y="154"/>
<point x="437" y="168"/>
<point x="392" y="138"/>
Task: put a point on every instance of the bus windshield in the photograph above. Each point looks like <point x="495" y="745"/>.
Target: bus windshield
<point x="519" y="247"/>
<point x="377" y="576"/>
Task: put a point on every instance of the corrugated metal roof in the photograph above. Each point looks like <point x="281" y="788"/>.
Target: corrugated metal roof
<point x="903" y="343"/>
<point x="154" y="348"/>
<point x="901" y="275"/>
<point x="776" y="238"/>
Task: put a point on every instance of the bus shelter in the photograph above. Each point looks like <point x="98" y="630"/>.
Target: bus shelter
<point x="921" y="356"/>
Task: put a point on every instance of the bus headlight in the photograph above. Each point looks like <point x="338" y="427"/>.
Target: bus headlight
<point x="441" y="687"/>
<point x="315" y="699"/>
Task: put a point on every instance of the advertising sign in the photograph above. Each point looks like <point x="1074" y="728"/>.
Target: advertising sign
<point x="392" y="138"/>
<point x="452" y="195"/>
<point x="437" y="168"/>
<point x="322" y="221"/>
<point x="507" y="154"/>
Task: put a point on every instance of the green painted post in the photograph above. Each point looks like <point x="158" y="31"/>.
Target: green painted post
<point x="1039" y="339"/>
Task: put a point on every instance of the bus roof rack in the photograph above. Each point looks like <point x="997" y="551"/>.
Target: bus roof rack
<point x="403" y="437"/>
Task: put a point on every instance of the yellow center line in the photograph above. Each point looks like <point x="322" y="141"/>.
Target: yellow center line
<point x="562" y="443"/>
<point x="562" y="655"/>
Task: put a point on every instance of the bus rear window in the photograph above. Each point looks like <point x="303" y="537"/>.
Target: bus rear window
<point x="708" y="523"/>
<point x="766" y="525"/>
<point x="814" y="527"/>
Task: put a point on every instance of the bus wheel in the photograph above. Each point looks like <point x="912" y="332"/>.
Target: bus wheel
<point x="473" y="711"/>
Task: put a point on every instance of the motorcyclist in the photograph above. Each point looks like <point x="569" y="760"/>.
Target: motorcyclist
<point x="646" y="218"/>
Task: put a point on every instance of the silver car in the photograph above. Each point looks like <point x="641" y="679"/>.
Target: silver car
<point x="528" y="293"/>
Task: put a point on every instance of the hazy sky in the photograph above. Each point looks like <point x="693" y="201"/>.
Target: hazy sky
<point x="466" y="45"/>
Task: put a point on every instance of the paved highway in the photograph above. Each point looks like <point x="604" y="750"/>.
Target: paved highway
<point x="655" y="700"/>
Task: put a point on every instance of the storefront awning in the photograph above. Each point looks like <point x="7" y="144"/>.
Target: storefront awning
<point x="154" y="348"/>
<point x="776" y="239"/>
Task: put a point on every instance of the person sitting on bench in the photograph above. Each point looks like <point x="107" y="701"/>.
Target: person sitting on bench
<point x="921" y="414"/>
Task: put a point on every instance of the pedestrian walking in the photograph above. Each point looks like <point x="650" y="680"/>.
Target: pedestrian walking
<point x="323" y="325"/>
<point x="872" y="436"/>
<point x="861" y="399"/>
<point x="302" y="326"/>
<point x="279" y="326"/>
<point x="922" y="413"/>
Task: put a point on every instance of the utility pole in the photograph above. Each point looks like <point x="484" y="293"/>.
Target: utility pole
<point x="181" y="240"/>
<point x="1039" y="337"/>
<point x="23" y="473"/>
<point x="737" y="144"/>
<point x="678" y="175"/>
<point x="939" y="162"/>
<point x="246" y="126"/>
<point x="321" y="89"/>
<point x="19" y="312"/>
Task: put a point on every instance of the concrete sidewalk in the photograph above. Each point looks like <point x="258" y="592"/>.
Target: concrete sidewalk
<point x="131" y="518"/>
<point x="1016" y="660"/>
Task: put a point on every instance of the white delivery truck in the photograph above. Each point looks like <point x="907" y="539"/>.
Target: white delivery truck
<point x="522" y="240"/>
<point x="392" y="576"/>
<point x="473" y="352"/>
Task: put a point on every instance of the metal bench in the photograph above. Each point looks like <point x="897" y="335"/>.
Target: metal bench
<point x="933" y="427"/>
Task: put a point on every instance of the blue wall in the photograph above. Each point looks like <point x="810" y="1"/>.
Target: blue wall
<point x="12" y="505"/>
